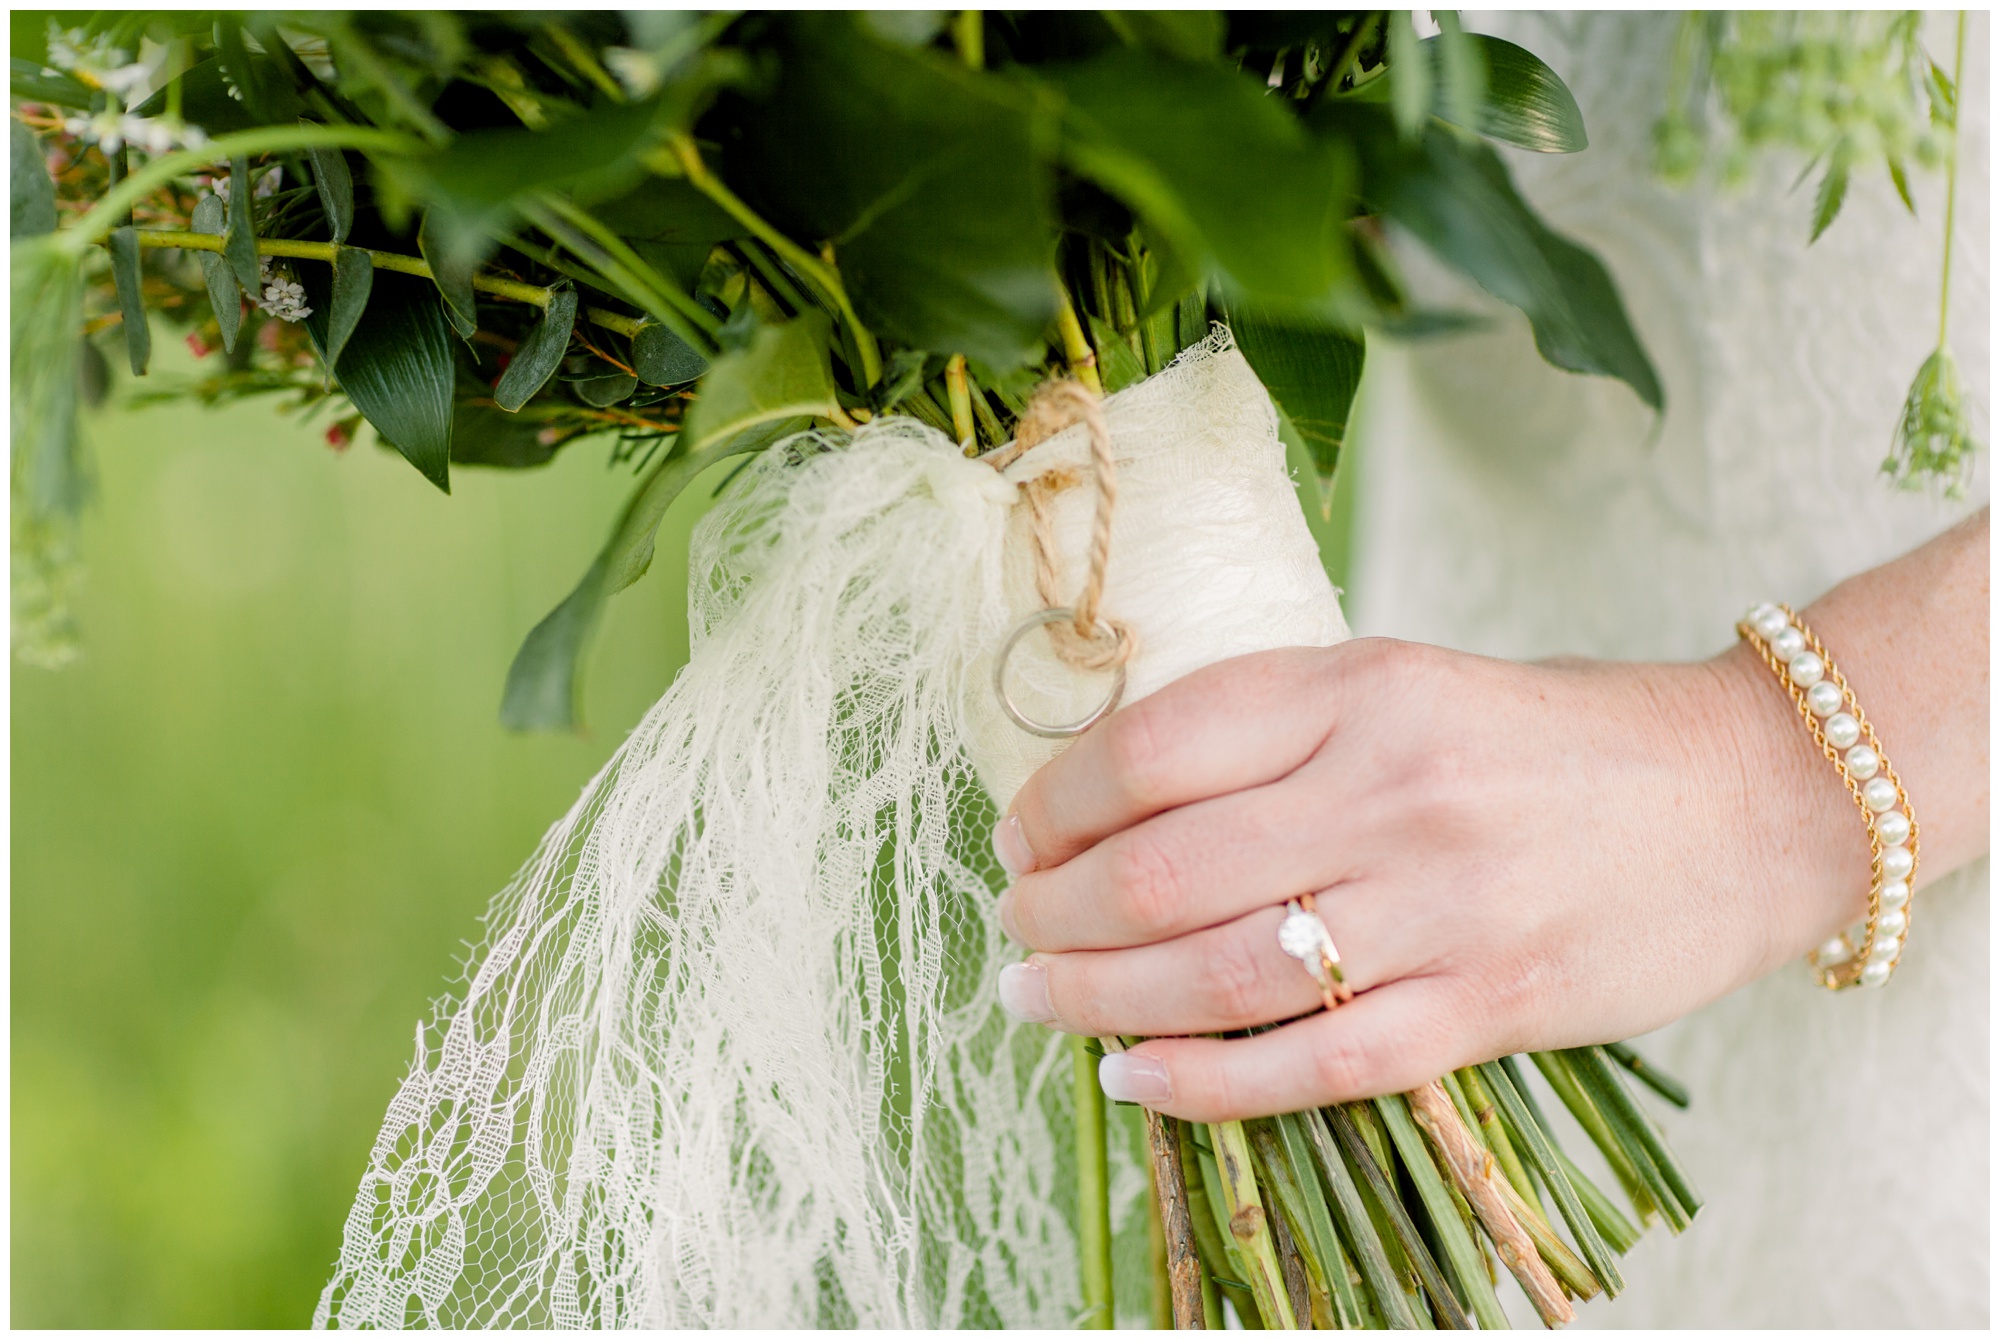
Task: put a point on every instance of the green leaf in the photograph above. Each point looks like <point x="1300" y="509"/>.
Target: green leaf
<point x="1411" y="77"/>
<point x="1460" y="201"/>
<point x="1526" y="104"/>
<point x="1902" y="183"/>
<point x="31" y="191"/>
<point x="336" y="189"/>
<point x="225" y="295"/>
<point x="669" y="209"/>
<point x="930" y="179"/>
<point x="1185" y="34"/>
<point x="1832" y="194"/>
<point x="124" y="247"/>
<point x="1224" y="174"/>
<point x="38" y="83"/>
<point x="396" y="366"/>
<point x="602" y="392"/>
<point x="783" y="373"/>
<point x="484" y="435"/>
<point x="239" y="243"/>
<point x="1460" y="71"/>
<point x="662" y="358"/>
<point x="353" y="281"/>
<point x="540" y="354"/>
<point x="1312" y="373"/>
<point x="205" y="100"/>
<point x="545" y="682"/>
<point x="1117" y="365"/>
<point x="453" y="262"/>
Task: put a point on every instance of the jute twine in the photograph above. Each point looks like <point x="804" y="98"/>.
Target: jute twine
<point x="1082" y="642"/>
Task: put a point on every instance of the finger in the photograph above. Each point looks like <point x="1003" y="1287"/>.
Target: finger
<point x="1227" y="977"/>
<point x="1201" y="865"/>
<point x="1238" y="723"/>
<point x="1384" y="1041"/>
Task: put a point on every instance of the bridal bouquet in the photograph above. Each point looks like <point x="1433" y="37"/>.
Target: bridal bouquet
<point x="1008" y="320"/>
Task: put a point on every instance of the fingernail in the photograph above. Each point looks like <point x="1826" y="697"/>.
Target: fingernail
<point x="1127" y="1077"/>
<point x="1006" y="914"/>
<point x="1024" y="992"/>
<point x="1010" y="845"/>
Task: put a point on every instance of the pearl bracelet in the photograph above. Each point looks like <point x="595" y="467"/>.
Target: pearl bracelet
<point x="1866" y="954"/>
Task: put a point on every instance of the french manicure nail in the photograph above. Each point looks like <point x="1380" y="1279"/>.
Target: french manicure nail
<point x="1010" y="845"/>
<point x="1127" y="1077"/>
<point x="1024" y="993"/>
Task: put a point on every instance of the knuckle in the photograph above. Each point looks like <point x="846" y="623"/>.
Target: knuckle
<point x="1233" y="984"/>
<point x="1136" y="747"/>
<point x="1341" y="1067"/>
<point x="1144" y="884"/>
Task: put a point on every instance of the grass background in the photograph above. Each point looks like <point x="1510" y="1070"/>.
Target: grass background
<point x="254" y="826"/>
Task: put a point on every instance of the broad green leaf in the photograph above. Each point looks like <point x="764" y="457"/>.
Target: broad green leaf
<point x="31" y="82"/>
<point x="1459" y="201"/>
<point x="662" y="358"/>
<point x="1411" y="76"/>
<point x="225" y="295"/>
<point x="1185" y="34"/>
<point x="484" y="435"/>
<point x="31" y="192"/>
<point x="1460" y="71"/>
<point x="239" y="243"/>
<point x="540" y="354"/>
<point x="782" y="374"/>
<point x="124" y="247"/>
<point x="1312" y="374"/>
<point x="453" y="262"/>
<point x="263" y="89"/>
<point x="602" y="392"/>
<point x="205" y="100"/>
<point x="336" y="189"/>
<point x="930" y="179"/>
<point x="1832" y="194"/>
<point x="1117" y="365"/>
<point x="353" y="281"/>
<point x="668" y="209"/>
<point x="1223" y="174"/>
<point x="1526" y="103"/>
<point x="545" y="682"/>
<point x="397" y="366"/>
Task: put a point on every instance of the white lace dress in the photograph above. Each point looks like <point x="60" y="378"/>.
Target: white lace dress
<point x="1507" y="508"/>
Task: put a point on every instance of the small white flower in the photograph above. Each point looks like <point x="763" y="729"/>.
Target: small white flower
<point x="284" y="298"/>
<point x="638" y="71"/>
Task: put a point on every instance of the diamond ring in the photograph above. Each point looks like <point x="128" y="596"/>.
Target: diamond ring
<point x="1304" y="936"/>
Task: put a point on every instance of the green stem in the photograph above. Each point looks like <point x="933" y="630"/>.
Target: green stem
<point x="163" y="239"/>
<point x="1951" y="182"/>
<point x="1082" y="359"/>
<point x="1093" y="1189"/>
<point x="816" y="271"/>
<point x="634" y="265"/>
<point x="1248" y="1224"/>
<point x="968" y="34"/>
<point x="633" y="288"/>
<point x="116" y="203"/>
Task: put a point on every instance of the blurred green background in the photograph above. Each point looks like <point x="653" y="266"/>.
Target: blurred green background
<point x="255" y="825"/>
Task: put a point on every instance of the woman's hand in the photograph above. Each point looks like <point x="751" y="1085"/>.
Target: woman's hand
<point x="1509" y="858"/>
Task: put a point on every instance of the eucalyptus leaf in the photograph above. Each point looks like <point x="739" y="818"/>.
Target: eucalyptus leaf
<point x="783" y="373"/>
<point x="612" y="388"/>
<point x="453" y="262"/>
<point x="124" y="247"/>
<point x="353" y="281"/>
<point x="31" y="194"/>
<point x="1222" y="173"/>
<point x="930" y="179"/>
<point x="396" y="366"/>
<point x="540" y="354"/>
<point x="1831" y="195"/>
<point x="484" y="435"/>
<point x="225" y="295"/>
<point x="662" y="358"/>
<point x="1312" y="373"/>
<point x="335" y="185"/>
<point x="239" y="243"/>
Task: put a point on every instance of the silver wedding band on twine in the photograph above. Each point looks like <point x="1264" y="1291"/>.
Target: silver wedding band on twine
<point x="1082" y="638"/>
<point x="1305" y="937"/>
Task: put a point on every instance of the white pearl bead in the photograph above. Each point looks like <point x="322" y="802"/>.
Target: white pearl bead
<point x="1891" y="924"/>
<point x="1834" y="951"/>
<point x="1893" y="827"/>
<point x="1842" y="730"/>
<point x="1879" y="794"/>
<point x="1886" y="948"/>
<point x="1788" y="643"/>
<point x="1824" y="699"/>
<point x="1875" y="974"/>
<point x="1894" y="894"/>
<point x="1806" y="669"/>
<point x="1769" y="621"/>
<point x="1863" y="763"/>
<point x="1897" y="863"/>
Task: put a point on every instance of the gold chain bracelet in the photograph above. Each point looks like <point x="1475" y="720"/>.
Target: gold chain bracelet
<point x="1865" y="955"/>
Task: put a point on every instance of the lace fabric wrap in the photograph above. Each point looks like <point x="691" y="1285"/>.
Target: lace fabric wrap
<point x="730" y="1053"/>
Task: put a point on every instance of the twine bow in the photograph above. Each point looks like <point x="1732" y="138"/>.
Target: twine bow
<point x="1088" y="641"/>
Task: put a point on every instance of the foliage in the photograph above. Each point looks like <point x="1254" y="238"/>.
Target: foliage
<point x="494" y="234"/>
